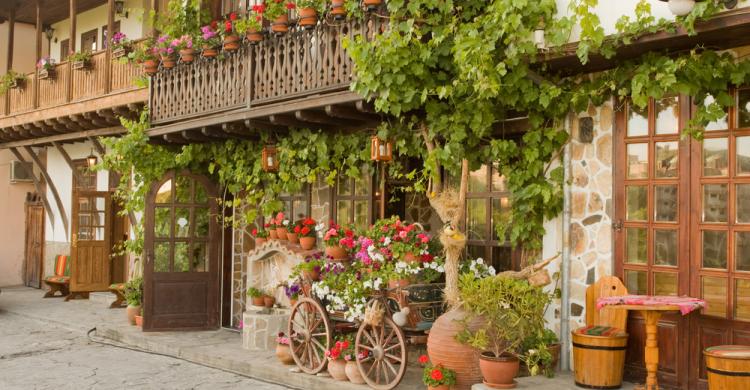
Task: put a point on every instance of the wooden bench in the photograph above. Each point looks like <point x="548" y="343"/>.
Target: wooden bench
<point x="60" y="281"/>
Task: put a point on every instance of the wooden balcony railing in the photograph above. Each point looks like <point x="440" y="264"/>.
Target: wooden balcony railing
<point x="298" y="64"/>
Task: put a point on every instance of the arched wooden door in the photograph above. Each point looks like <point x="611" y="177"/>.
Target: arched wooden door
<point x="181" y="271"/>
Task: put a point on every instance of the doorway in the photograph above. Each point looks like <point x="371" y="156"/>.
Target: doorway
<point x="33" y="261"/>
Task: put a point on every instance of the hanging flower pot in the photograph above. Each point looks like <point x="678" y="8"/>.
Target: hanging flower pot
<point x="187" y="56"/>
<point x="337" y="9"/>
<point x="307" y="243"/>
<point x="280" y="25"/>
<point x="308" y="17"/>
<point x="168" y="61"/>
<point x="254" y="36"/>
<point x="311" y="275"/>
<point x="47" y="74"/>
<point x="231" y="43"/>
<point x="151" y="66"/>
<point x="209" y="51"/>
<point x="372" y="5"/>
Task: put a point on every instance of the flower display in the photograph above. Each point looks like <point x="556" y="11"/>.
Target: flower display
<point x="209" y="36"/>
<point x="276" y="8"/>
<point x="119" y="41"/>
<point x="292" y="289"/>
<point x="343" y="348"/>
<point x="182" y="43"/>
<point x="338" y="235"/>
<point x="436" y="375"/>
<point x="45" y="63"/>
<point x="305" y="227"/>
<point x="259" y="233"/>
<point x="282" y="339"/>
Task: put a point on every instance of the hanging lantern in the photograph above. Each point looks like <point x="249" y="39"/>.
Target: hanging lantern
<point x="91" y="160"/>
<point x="380" y="150"/>
<point x="270" y="160"/>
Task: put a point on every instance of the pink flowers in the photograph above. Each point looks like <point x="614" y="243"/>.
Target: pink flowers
<point x="207" y="32"/>
<point x="282" y="339"/>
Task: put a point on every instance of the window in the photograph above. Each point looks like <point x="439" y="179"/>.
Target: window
<point x="105" y="38"/>
<point x="88" y="177"/>
<point x="353" y="200"/>
<point x="64" y="49"/>
<point x="297" y="205"/>
<point x="88" y="40"/>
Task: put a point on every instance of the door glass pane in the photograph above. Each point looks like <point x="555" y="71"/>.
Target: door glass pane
<point x="300" y="209"/>
<point x="181" y="258"/>
<point x="344" y="185"/>
<point x="343" y="212"/>
<point x="161" y="257"/>
<point x="667" y="115"/>
<point x="720" y="124"/>
<point x="744" y="108"/>
<point x="181" y="222"/>
<point x="202" y="216"/>
<point x="742" y="299"/>
<point x="362" y="183"/>
<point x="182" y="189"/>
<point x="665" y="247"/>
<point x="500" y="213"/>
<point x="498" y="181"/>
<point x="636" y="198"/>
<point x="743" y="155"/>
<point x="665" y="203"/>
<point x="162" y="219"/>
<point x="636" y="251"/>
<point x="98" y="232"/>
<point x="715" y="157"/>
<point x="199" y="257"/>
<point x="636" y="282"/>
<point x="637" y="161"/>
<point x="714" y="249"/>
<point x="742" y="202"/>
<point x="665" y="283"/>
<point x="714" y="292"/>
<point x="476" y="252"/>
<point x="201" y="196"/>
<point x="666" y="159"/>
<point x="742" y="251"/>
<point x="715" y="200"/>
<point x="501" y="258"/>
<point x="361" y="214"/>
<point x="637" y="121"/>
<point x="164" y="194"/>
<point x="478" y="180"/>
<point x="477" y="219"/>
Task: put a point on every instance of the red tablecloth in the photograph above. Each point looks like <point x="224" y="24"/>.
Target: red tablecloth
<point x="686" y="304"/>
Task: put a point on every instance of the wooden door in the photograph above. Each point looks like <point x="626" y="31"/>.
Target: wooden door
<point x="182" y="272"/>
<point x="88" y="41"/>
<point x="33" y="262"/>
<point x="91" y="241"/>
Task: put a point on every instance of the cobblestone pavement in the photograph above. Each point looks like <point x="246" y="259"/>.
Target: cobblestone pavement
<point x="38" y="356"/>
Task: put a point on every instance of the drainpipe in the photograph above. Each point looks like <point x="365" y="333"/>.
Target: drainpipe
<point x="565" y="263"/>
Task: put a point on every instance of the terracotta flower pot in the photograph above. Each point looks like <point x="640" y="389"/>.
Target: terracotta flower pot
<point x="398" y="283"/>
<point x="292" y="302"/>
<point x="139" y="321"/>
<point x="372" y="4"/>
<point x="498" y="372"/>
<point x="131" y="312"/>
<point x="187" y="56"/>
<point x="150" y="67"/>
<point x="411" y="258"/>
<point x="308" y="17"/>
<point x="337" y="369"/>
<point x="337" y="9"/>
<point x="258" y="301"/>
<point x="209" y="52"/>
<point x="281" y="233"/>
<point x="168" y="61"/>
<point x="253" y="36"/>
<point x="442" y="348"/>
<point x="268" y="301"/>
<point x="280" y="25"/>
<point x="272" y="234"/>
<point x="337" y="252"/>
<point x="284" y="354"/>
<point x="293" y="238"/>
<point x="307" y="243"/>
<point x="441" y="387"/>
<point x="352" y="372"/>
<point x="231" y="43"/>
<point x="311" y="275"/>
<point x="260" y="241"/>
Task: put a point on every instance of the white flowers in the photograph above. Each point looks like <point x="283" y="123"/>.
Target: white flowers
<point x="478" y="268"/>
<point x="387" y="241"/>
<point x="285" y="222"/>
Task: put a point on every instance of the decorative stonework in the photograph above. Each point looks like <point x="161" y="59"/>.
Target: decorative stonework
<point x="260" y="329"/>
<point x="271" y="264"/>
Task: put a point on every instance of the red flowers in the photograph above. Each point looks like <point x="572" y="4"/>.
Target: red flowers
<point x="214" y="24"/>
<point x="233" y="16"/>
<point x="254" y="232"/>
<point x="423" y="359"/>
<point x="436" y="374"/>
<point x="290" y="5"/>
<point x="228" y="26"/>
<point x="305" y="230"/>
<point x="297" y="229"/>
<point x="259" y="8"/>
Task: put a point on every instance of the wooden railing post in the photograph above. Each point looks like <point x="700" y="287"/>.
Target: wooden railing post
<point x="38" y="51"/>
<point x="73" y="39"/>
<point x="108" y="37"/>
<point x="9" y="64"/>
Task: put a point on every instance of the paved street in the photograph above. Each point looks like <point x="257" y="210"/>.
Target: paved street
<point x="37" y="356"/>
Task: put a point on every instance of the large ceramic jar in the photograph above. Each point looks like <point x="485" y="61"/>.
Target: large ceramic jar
<point x="443" y="348"/>
<point x="352" y="372"/>
<point x="337" y="369"/>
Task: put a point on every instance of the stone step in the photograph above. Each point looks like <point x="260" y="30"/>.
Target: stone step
<point x="102" y="297"/>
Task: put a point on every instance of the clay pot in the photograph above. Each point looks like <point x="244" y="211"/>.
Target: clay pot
<point x="311" y="275"/>
<point x="337" y="369"/>
<point x="272" y="234"/>
<point x="280" y="25"/>
<point x="139" y="321"/>
<point x="554" y="350"/>
<point x="411" y="258"/>
<point x="442" y="348"/>
<point x="268" y="301"/>
<point x="352" y="372"/>
<point x="307" y="243"/>
<point x="231" y="43"/>
<point x="398" y="283"/>
<point x="131" y="312"/>
<point x="372" y="4"/>
<point x="292" y="302"/>
<point x="308" y="18"/>
<point x="257" y="301"/>
<point x="498" y="372"/>
<point x="187" y="55"/>
<point x="337" y="252"/>
<point x="260" y="241"/>
<point x="284" y="354"/>
<point x="168" y="61"/>
<point x="337" y="9"/>
<point x="253" y="36"/>
<point x="209" y="52"/>
<point x="281" y="233"/>
<point x="150" y="67"/>
<point x="293" y="238"/>
<point x="441" y="387"/>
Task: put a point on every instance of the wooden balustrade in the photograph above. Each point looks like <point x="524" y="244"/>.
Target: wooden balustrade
<point x="22" y="98"/>
<point x="54" y="91"/>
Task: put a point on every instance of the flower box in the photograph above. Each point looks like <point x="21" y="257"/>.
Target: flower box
<point x="18" y="83"/>
<point x="47" y="74"/>
<point x="81" y="65"/>
<point x="120" y="52"/>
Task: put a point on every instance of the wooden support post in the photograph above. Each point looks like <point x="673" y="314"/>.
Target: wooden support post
<point x="38" y="43"/>
<point x="51" y="185"/>
<point x="37" y="186"/>
<point x="9" y="56"/>
<point x="98" y="146"/>
<point x="68" y="160"/>
<point x="108" y="37"/>
<point x="72" y="46"/>
<point x="155" y="8"/>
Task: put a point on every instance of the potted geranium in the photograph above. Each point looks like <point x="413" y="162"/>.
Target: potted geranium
<point x="46" y="68"/>
<point x="210" y="40"/>
<point x="147" y="55"/>
<point x="293" y="234"/>
<point x="292" y="290"/>
<point x="436" y="377"/>
<point x="133" y="292"/>
<point x="184" y="46"/>
<point x="80" y="60"/>
<point x="339" y="241"/>
<point x="351" y="369"/>
<point x="252" y="25"/>
<point x="268" y="299"/>
<point x="282" y="225"/>
<point x="231" y="39"/>
<point x="277" y="12"/>
<point x="372" y="5"/>
<point x="121" y="45"/>
<point x="335" y="356"/>
<point x="308" y="11"/>
<point x="261" y="236"/>
<point x="256" y="296"/>
<point x="307" y="234"/>
<point x="283" y="353"/>
<point x="166" y="52"/>
<point x="310" y="268"/>
<point x="509" y="310"/>
<point x="338" y="9"/>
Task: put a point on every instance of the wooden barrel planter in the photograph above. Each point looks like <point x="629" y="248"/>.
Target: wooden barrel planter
<point x="728" y="367"/>
<point x="599" y="357"/>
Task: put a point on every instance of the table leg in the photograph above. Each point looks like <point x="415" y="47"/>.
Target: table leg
<point x="652" y="347"/>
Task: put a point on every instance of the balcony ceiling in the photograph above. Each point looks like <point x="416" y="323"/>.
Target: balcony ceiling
<point x="53" y="11"/>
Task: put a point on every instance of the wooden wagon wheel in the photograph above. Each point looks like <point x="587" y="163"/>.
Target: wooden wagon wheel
<point x="385" y="348"/>
<point x="310" y="335"/>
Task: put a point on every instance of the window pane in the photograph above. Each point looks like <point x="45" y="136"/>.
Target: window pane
<point x="743" y="203"/>
<point x="714" y="292"/>
<point x="181" y="258"/>
<point x="667" y="159"/>
<point x="636" y="251"/>
<point x="202" y="216"/>
<point x="164" y="194"/>
<point x="498" y="181"/>
<point x="343" y="212"/>
<point x="362" y="183"/>
<point x="181" y="222"/>
<point x="344" y="186"/>
<point x="361" y="214"/>
<point x="199" y="257"/>
<point x="501" y="258"/>
<point x="715" y="201"/>
<point x="743" y="155"/>
<point x="162" y="221"/>
<point x="500" y="213"/>
<point x="667" y="115"/>
<point x="742" y="299"/>
<point x="715" y="157"/>
<point x="665" y="283"/>
<point x="720" y="124"/>
<point x="476" y="252"/>
<point x="477" y="219"/>
<point x="714" y="249"/>
<point x="742" y="251"/>
<point x="665" y="247"/>
<point x="300" y="209"/>
<point x="636" y="198"/>
<point x="182" y="189"/>
<point x="744" y="108"/>
<point x="665" y="203"/>
<point x="200" y="193"/>
<point x="637" y="121"/>
<point x="637" y="161"/>
<point x="636" y="282"/>
<point x="478" y="180"/>
<point x="161" y="257"/>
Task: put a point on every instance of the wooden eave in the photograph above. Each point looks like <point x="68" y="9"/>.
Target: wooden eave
<point x="53" y="10"/>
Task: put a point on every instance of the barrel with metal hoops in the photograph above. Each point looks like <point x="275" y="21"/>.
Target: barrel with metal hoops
<point x="728" y="367"/>
<point x="599" y="356"/>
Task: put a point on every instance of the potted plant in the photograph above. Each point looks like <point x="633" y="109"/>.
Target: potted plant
<point x="121" y="45"/>
<point x="133" y="292"/>
<point x="510" y="310"/>
<point x="45" y="68"/>
<point x="307" y="234"/>
<point x="541" y="353"/>
<point x="338" y="9"/>
<point x="80" y="60"/>
<point x="270" y="226"/>
<point x="283" y="353"/>
<point x="261" y="236"/>
<point x="139" y="318"/>
<point x="268" y="300"/>
<point x="147" y="55"/>
<point x="308" y="11"/>
<point x="184" y="46"/>
<point x="210" y="40"/>
<point x="256" y="296"/>
<point x="351" y="369"/>
<point x="372" y="5"/>
<point x="292" y="290"/>
<point x="436" y="377"/>
<point x="336" y="363"/>
<point x="166" y="52"/>
<point x="282" y="225"/>
<point x="339" y="241"/>
<point x="231" y="39"/>
<point x="293" y="234"/>
<point x="310" y="268"/>
<point x="277" y="12"/>
<point x="252" y="25"/>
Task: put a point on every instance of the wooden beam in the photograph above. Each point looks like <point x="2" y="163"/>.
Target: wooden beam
<point x="196" y="136"/>
<point x="155" y="8"/>
<point x="254" y="124"/>
<point x="214" y="133"/>
<point x="363" y="106"/>
<point x="95" y="119"/>
<point x="315" y="117"/>
<point x="98" y="146"/>
<point x="78" y="136"/>
<point x="289" y="121"/>
<point x="37" y="186"/>
<point x="69" y="161"/>
<point x="175" y="138"/>
<point x="51" y="186"/>
<point x="108" y="37"/>
<point x="346" y="112"/>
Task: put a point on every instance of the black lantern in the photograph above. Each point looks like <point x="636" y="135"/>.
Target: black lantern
<point x="91" y="160"/>
<point x="380" y="150"/>
<point x="120" y="8"/>
<point x="270" y="160"/>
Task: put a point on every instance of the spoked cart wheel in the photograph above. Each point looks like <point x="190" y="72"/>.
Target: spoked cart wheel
<point x="384" y="346"/>
<point x="309" y="334"/>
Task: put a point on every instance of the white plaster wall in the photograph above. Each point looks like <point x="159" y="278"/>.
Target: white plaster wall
<point x="133" y="26"/>
<point x="24" y="47"/>
<point x="12" y="198"/>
